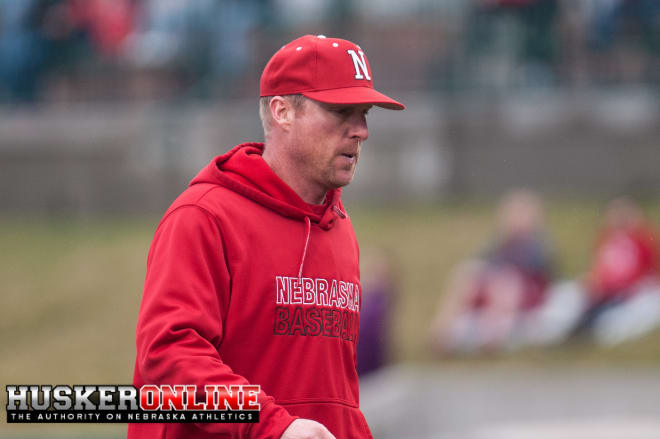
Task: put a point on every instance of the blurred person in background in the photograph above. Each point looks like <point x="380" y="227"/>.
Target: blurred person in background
<point x="38" y="38"/>
<point x="20" y="54"/>
<point x="489" y="298"/>
<point x="515" y="42"/>
<point x="622" y="288"/>
<point x="379" y="296"/>
<point x="619" y="297"/>
<point x="106" y="22"/>
<point x="206" y="43"/>
<point x="51" y="44"/>
<point x="625" y="35"/>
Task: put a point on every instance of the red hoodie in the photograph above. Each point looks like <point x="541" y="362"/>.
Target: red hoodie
<point x="247" y="283"/>
<point x="624" y="256"/>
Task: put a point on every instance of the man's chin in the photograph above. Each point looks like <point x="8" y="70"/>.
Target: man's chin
<point x="343" y="180"/>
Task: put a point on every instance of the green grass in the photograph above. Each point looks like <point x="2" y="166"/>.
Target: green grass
<point x="71" y="289"/>
<point x="70" y="297"/>
<point x="70" y="294"/>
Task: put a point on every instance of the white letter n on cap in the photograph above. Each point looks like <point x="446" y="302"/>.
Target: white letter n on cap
<point x="360" y="65"/>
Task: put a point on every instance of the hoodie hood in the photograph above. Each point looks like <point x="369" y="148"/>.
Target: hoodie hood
<point x="244" y="171"/>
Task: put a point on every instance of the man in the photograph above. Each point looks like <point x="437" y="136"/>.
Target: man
<point x="253" y="273"/>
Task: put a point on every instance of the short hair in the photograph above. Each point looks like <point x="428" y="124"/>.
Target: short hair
<point x="264" y="109"/>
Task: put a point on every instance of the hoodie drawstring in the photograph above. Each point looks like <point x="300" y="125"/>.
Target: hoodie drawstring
<point x="308" y="232"/>
<point x="338" y="211"/>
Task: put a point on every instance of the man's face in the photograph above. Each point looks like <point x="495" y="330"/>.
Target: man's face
<point x="327" y="140"/>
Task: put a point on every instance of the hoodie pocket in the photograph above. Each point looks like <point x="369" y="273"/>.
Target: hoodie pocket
<point x="345" y="421"/>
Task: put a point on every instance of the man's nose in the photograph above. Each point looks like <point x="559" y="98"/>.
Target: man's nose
<point x="359" y="128"/>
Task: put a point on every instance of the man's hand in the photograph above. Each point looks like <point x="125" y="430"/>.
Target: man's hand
<point x="306" y="429"/>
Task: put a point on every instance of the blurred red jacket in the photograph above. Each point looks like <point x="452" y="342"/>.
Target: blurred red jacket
<point x="623" y="257"/>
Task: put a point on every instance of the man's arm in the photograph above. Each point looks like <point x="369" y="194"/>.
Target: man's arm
<point x="180" y="324"/>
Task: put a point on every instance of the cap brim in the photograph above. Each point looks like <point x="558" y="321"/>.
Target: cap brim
<point x="354" y="96"/>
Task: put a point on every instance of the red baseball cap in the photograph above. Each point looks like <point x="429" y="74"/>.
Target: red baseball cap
<point x="329" y="70"/>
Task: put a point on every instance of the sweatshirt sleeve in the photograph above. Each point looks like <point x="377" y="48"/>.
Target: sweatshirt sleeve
<point x="180" y="323"/>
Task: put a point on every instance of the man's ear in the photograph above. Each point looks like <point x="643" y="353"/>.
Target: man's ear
<point x="282" y="112"/>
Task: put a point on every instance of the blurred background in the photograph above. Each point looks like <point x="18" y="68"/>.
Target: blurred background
<point x="506" y="219"/>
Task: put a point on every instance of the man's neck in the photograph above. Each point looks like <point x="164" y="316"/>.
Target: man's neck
<point x="310" y="193"/>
